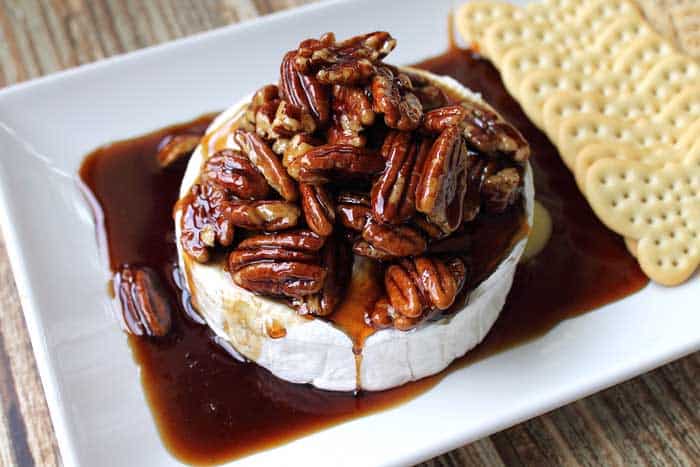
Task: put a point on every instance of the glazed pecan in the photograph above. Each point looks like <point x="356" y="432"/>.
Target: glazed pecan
<point x="303" y="91"/>
<point x="483" y="128"/>
<point x="394" y="240"/>
<point x="477" y="170"/>
<point x="337" y="260"/>
<point x="282" y="264"/>
<point x="404" y="294"/>
<point x="146" y="309"/>
<point x="347" y="62"/>
<point x="428" y="228"/>
<point x="392" y="95"/>
<point x="265" y="95"/>
<point x="290" y="120"/>
<point x="172" y="148"/>
<point x="206" y="220"/>
<point x="364" y="248"/>
<point x="431" y="97"/>
<point x="381" y="315"/>
<point x="332" y="161"/>
<point x="393" y="194"/>
<point x="458" y="270"/>
<point x="352" y="112"/>
<point x="264" y="120"/>
<point x="441" y="190"/>
<point x="318" y="207"/>
<point x="353" y="210"/>
<point x="417" y="287"/>
<point x="297" y="147"/>
<point x="501" y="190"/>
<point x="234" y="171"/>
<point x="269" y="215"/>
<point x="438" y="120"/>
<point x="267" y="163"/>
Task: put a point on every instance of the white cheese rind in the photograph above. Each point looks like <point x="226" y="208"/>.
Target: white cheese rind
<point x="314" y="351"/>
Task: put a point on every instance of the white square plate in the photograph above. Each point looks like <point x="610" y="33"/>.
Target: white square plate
<point x="91" y="382"/>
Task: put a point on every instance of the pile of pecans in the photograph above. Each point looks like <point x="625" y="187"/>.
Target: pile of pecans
<point x="351" y="155"/>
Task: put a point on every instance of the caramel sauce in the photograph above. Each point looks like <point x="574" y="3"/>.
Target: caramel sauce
<point x="365" y="288"/>
<point x="211" y="407"/>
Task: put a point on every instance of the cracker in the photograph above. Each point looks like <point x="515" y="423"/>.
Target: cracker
<point x="669" y="76"/>
<point x="657" y="13"/>
<point x="632" y="107"/>
<point x="589" y="154"/>
<point x="641" y="55"/>
<point x="473" y="17"/>
<point x="685" y="17"/>
<point x="683" y="110"/>
<point x="689" y="137"/>
<point x="632" y="246"/>
<point x="578" y="131"/>
<point x="620" y="33"/>
<point x="537" y="87"/>
<point x="657" y="205"/>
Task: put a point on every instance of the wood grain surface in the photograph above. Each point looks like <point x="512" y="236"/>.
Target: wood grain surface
<point x="651" y="420"/>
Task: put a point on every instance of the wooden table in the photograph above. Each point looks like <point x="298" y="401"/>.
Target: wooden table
<point x="654" y="419"/>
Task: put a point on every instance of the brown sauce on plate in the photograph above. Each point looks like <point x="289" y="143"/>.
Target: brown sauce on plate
<point x="211" y="407"/>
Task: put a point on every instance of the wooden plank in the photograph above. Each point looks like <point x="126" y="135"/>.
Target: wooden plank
<point x="652" y="420"/>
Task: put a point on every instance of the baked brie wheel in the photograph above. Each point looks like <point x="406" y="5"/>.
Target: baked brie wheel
<point x="291" y="327"/>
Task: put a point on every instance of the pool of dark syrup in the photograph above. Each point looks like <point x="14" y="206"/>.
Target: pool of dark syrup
<point x="210" y="407"/>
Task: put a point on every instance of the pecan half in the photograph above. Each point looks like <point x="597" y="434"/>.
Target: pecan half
<point x="364" y="248"/>
<point x="392" y="95"/>
<point x="303" y="91"/>
<point x="442" y="187"/>
<point x="404" y="294"/>
<point x="431" y="230"/>
<point x="331" y="161"/>
<point x="393" y="194"/>
<point x="318" y="207"/>
<point x="146" y="309"/>
<point x="501" y="190"/>
<point x="267" y="215"/>
<point x="282" y="264"/>
<point x="483" y="128"/>
<point x="267" y="163"/>
<point x="394" y="240"/>
<point x="347" y="62"/>
<point x="477" y="170"/>
<point x="264" y="120"/>
<point x="205" y="220"/>
<point x="290" y="120"/>
<point x="353" y="210"/>
<point x="234" y="171"/>
<point x="431" y="97"/>
<point x="337" y="260"/>
<point x="172" y="148"/>
<point x="438" y="120"/>
<point x="352" y="112"/>
<point x="381" y="315"/>
<point x="265" y="94"/>
<point x="417" y="287"/>
<point x="298" y="146"/>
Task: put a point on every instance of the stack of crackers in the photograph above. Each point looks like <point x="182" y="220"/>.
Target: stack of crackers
<point x="622" y="104"/>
